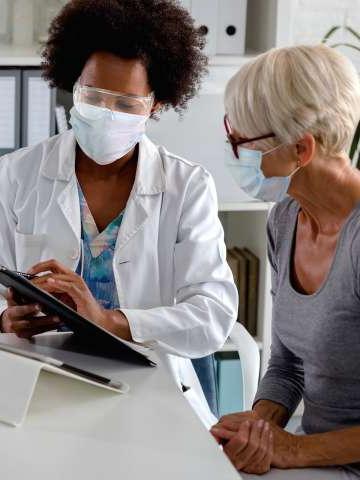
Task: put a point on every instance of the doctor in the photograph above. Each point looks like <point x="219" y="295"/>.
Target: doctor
<point x="122" y="230"/>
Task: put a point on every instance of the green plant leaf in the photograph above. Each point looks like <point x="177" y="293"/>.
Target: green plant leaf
<point x="355" y="142"/>
<point x="358" y="162"/>
<point x="350" y="45"/>
<point x="330" y="33"/>
<point x="353" y="32"/>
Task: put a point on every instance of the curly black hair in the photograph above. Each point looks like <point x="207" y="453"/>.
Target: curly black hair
<point x="160" y="33"/>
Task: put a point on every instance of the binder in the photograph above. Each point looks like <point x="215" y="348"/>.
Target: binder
<point x="231" y="27"/>
<point x="10" y="93"/>
<point x="205" y="13"/>
<point x="38" y="108"/>
<point x="253" y="290"/>
<point x="239" y="266"/>
<point x="230" y="383"/>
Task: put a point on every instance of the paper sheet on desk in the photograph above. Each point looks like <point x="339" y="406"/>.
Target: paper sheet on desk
<point x="7" y="112"/>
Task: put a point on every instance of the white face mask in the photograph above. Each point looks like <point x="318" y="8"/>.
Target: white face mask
<point x="246" y="170"/>
<point x="104" y="135"/>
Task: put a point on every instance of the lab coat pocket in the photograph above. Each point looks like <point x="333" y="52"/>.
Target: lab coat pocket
<point x="28" y="250"/>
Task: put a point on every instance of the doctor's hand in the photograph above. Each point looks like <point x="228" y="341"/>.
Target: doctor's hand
<point x="22" y="320"/>
<point x="57" y="279"/>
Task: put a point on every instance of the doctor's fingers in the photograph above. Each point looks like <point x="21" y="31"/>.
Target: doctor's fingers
<point x="10" y="297"/>
<point x="50" y="266"/>
<point x="78" y="293"/>
<point x="35" y="326"/>
<point x="26" y="323"/>
<point x="15" y="312"/>
<point x="72" y="278"/>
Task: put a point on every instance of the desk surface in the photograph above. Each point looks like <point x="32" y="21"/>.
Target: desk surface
<point x="77" y="431"/>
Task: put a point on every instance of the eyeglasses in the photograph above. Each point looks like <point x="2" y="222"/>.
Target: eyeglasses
<point x="236" y="142"/>
<point x="114" y="101"/>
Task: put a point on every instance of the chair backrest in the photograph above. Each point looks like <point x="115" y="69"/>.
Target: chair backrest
<point x="250" y="362"/>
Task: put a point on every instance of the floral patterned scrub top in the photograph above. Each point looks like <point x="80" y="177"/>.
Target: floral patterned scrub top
<point x="96" y="264"/>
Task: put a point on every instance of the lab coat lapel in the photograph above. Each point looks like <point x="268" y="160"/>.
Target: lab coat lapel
<point x="60" y="168"/>
<point x="149" y="183"/>
<point x="68" y="202"/>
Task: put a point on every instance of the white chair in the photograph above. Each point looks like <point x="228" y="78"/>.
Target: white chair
<point x="249" y="356"/>
<point x="241" y="341"/>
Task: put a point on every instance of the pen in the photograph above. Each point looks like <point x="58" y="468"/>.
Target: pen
<point x="28" y="276"/>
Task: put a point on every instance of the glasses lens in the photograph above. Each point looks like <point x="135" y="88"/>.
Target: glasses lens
<point x="112" y="101"/>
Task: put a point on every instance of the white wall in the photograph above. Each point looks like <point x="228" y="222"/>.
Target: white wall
<point x="313" y="18"/>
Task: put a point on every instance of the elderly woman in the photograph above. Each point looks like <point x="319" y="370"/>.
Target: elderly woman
<point x="291" y="115"/>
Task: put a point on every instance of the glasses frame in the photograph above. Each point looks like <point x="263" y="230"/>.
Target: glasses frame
<point x="236" y="142"/>
<point x="149" y="100"/>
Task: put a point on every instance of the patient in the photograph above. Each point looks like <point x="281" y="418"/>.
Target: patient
<point x="116" y="225"/>
<point x="305" y="104"/>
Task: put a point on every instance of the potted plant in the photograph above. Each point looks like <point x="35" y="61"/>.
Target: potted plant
<point x="354" y="152"/>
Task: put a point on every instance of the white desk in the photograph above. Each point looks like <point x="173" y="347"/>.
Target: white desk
<point x="76" y="431"/>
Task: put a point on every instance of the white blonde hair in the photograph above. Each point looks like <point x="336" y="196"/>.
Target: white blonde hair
<point x="297" y="90"/>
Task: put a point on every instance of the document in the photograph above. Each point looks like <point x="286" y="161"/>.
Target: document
<point x="39" y="110"/>
<point x="7" y="112"/>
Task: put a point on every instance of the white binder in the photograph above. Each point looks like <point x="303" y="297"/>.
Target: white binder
<point x="205" y="13"/>
<point x="10" y="91"/>
<point x="38" y="108"/>
<point x="19" y="374"/>
<point x="231" y="29"/>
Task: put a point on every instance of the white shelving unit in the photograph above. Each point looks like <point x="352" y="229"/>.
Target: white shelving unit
<point x="20" y="56"/>
<point x="200" y="138"/>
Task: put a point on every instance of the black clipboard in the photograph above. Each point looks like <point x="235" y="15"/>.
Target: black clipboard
<point x="88" y="334"/>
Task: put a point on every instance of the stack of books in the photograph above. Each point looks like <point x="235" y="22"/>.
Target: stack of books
<point x="245" y="268"/>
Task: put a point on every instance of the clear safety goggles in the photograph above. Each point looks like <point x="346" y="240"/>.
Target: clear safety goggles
<point x="116" y="102"/>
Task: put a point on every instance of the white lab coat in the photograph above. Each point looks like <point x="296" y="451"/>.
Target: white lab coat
<point x="173" y="282"/>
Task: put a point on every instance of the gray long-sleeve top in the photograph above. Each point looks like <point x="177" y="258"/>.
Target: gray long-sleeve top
<point x="315" y="351"/>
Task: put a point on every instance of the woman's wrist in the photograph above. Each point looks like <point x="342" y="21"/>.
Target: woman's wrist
<point x="271" y="412"/>
<point x="116" y="322"/>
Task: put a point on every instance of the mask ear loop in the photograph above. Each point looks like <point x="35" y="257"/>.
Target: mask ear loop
<point x="279" y="146"/>
<point x="296" y="169"/>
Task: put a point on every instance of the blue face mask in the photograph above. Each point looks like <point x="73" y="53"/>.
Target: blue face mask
<point x="246" y="171"/>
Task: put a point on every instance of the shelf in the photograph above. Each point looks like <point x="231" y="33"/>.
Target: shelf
<point x="232" y="60"/>
<point x="17" y="56"/>
<point x="13" y="55"/>
<point x="230" y="347"/>
<point x="245" y="207"/>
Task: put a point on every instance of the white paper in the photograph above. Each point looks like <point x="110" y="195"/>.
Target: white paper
<point x="7" y="112"/>
<point x="39" y="102"/>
